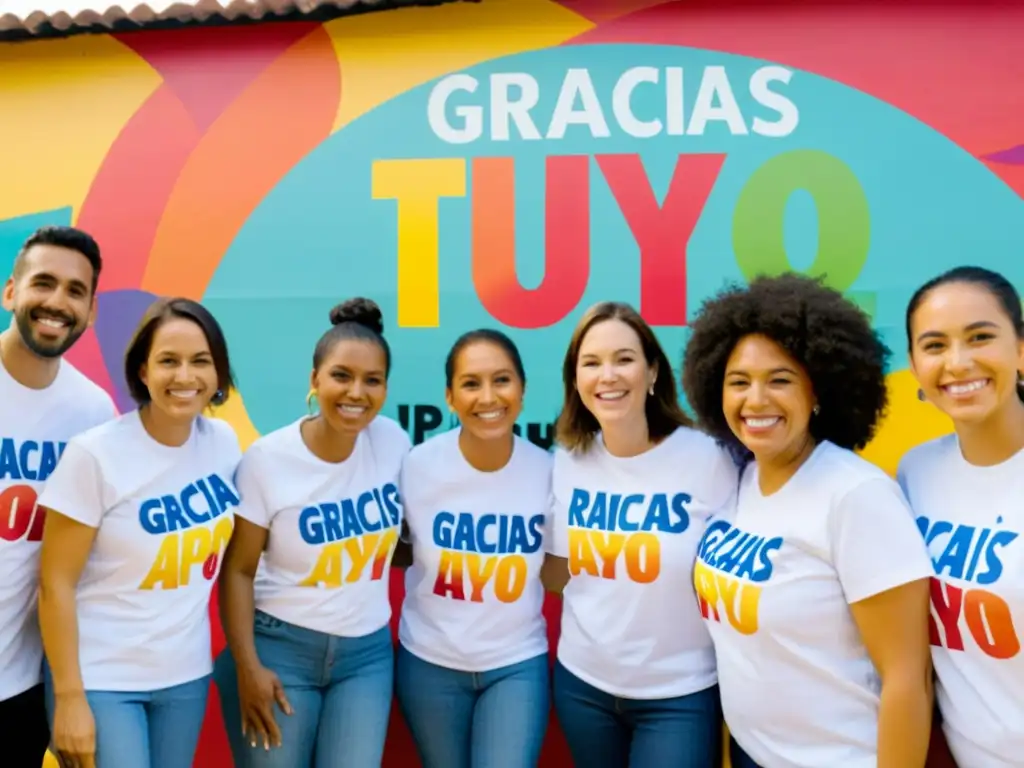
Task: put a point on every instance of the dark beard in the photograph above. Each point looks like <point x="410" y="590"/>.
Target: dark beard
<point x="48" y="351"/>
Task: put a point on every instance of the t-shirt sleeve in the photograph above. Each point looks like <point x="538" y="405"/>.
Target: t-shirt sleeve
<point x="252" y="502"/>
<point x="875" y="542"/>
<point x="724" y="479"/>
<point x="75" y="489"/>
<point x="556" y="533"/>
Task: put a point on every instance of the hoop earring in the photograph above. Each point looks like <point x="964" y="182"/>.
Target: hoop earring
<point x="310" y="399"/>
<point x="651" y="390"/>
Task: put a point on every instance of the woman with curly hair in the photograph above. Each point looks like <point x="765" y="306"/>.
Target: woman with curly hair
<point x="966" y="338"/>
<point x="815" y="588"/>
<point x="634" y="486"/>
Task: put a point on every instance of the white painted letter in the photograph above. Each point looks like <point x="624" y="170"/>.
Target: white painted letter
<point x="505" y="107"/>
<point x="577" y="81"/>
<point x="630" y="79"/>
<point x="472" y="116"/>
<point x="716" y="83"/>
<point x="789" y="115"/>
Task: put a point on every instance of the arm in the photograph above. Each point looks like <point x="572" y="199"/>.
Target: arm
<point x="554" y="573"/>
<point x="894" y="628"/>
<point x="402" y="558"/>
<point x="65" y="550"/>
<point x="235" y="588"/>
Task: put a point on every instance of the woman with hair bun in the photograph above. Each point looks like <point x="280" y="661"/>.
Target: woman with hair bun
<point x="306" y="681"/>
<point x="815" y="588"/>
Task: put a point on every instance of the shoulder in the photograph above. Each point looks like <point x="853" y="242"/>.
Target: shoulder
<point x="437" y="448"/>
<point x="217" y="430"/>
<point x="849" y="480"/>
<point x="926" y="457"/>
<point x="533" y="457"/>
<point x="110" y="434"/>
<point x="388" y="433"/>
<point x="283" y="440"/>
<point x="86" y="394"/>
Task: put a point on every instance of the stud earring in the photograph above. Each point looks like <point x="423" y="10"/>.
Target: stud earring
<point x="920" y="395"/>
<point x="816" y="409"/>
<point x="651" y="390"/>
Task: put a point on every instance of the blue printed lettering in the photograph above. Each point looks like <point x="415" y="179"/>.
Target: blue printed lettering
<point x="29" y="460"/>
<point x="726" y="548"/>
<point x="369" y="512"/>
<point x="488" y="534"/>
<point x="194" y="504"/>
<point x="966" y="552"/>
<point x="629" y="513"/>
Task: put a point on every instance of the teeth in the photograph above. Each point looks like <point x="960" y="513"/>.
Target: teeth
<point x="963" y="389"/>
<point x="353" y="409"/>
<point x="761" y="423"/>
<point x="49" y="322"/>
<point x="611" y="395"/>
<point x="490" y="415"/>
<point x="185" y="394"/>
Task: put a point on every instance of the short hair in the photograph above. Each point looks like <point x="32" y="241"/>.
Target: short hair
<point x="358" y="318"/>
<point x="829" y="336"/>
<point x="62" y="237"/>
<point x="484" y="335"/>
<point x="158" y="313"/>
<point x="1002" y="291"/>
<point x="576" y="426"/>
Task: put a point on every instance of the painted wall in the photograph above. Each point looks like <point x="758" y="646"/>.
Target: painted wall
<point x="508" y="163"/>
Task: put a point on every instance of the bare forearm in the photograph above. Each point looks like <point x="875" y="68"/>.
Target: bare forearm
<point x="904" y="723"/>
<point x="58" y="623"/>
<point x="237" y="608"/>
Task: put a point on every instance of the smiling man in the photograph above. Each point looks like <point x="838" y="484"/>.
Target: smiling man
<point x="44" y="402"/>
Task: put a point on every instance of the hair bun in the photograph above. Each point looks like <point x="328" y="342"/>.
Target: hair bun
<point x="360" y="311"/>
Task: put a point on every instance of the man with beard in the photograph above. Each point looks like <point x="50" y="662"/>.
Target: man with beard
<point x="44" y="402"/>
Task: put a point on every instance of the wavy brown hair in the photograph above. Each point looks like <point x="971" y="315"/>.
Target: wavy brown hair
<point x="577" y="426"/>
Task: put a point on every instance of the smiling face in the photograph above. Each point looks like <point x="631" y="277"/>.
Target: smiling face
<point x="612" y="375"/>
<point x="767" y="399"/>
<point x="351" y="385"/>
<point x="179" y="371"/>
<point x="965" y="352"/>
<point x="51" y="298"/>
<point x="486" y="391"/>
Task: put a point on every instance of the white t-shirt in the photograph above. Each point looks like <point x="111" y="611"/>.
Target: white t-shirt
<point x="629" y="528"/>
<point x="776" y="581"/>
<point x="972" y="518"/>
<point x="164" y="517"/>
<point x="473" y="596"/>
<point x="35" y="425"/>
<point x="333" y="527"/>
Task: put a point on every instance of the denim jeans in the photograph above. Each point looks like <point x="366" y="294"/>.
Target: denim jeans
<point x="145" y="729"/>
<point x="339" y="688"/>
<point x="605" y="731"/>
<point x="494" y="719"/>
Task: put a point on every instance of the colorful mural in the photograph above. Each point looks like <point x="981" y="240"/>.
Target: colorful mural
<point x="509" y="162"/>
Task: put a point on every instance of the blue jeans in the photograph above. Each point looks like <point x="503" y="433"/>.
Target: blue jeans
<point x="339" y="688"/>
<point x="494" y="719"/>
<point x="145" y="729"/>
<point x="605" y="731"/>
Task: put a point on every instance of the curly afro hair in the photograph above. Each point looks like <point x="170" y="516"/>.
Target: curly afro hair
<point x="827" y="334"/>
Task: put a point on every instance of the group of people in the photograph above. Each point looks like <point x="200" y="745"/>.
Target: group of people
<point x="745" y="564"/>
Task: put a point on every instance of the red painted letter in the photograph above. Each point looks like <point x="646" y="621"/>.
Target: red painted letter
<point x="662" y="232"/>
<point x="948" y="612"/>
<point x="566" y="240"/>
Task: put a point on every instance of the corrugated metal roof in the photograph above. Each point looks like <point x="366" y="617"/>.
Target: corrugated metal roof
<point x="30" y="17"/>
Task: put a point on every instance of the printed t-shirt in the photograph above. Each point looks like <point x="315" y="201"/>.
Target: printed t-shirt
<point x="629" y="528"/>
<point x="164" y="516"/>
<point x="35" y="425"/>
<point x="776" y="580"/>
<point x="972" y="518"/>
<point x="473" y="596"/>
<point x="332" y="527"/>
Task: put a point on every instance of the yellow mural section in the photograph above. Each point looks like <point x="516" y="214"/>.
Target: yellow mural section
<point x="384" y="55"/>
<point x="57" y="104"/>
